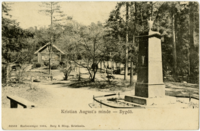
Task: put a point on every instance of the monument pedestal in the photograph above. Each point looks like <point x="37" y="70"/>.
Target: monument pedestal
<point x="150" y="89"/>
<point x="151" y="101"/>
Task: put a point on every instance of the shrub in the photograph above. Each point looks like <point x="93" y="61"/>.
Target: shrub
<point x="3" y="73"/>
<point x="62" y="63"/>
<point x="46" y="63"/>
<point x="66" y="72"/>
<point x="169" y="78"/>
<point x="54" y="62"/>
<point x="36" y="65"/>
<point x="35" y="59"/>
<point x="54" y="66"/>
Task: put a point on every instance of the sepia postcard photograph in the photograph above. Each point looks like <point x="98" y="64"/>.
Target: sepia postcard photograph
<point x="100" y="65"/>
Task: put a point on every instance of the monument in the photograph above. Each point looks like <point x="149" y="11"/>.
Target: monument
<point x="150" y="89"/>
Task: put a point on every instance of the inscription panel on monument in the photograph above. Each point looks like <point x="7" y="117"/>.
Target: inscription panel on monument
<point x="155" y="73"/>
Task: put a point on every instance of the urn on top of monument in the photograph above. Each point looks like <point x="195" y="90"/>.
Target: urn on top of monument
<point x="150" y="24"/>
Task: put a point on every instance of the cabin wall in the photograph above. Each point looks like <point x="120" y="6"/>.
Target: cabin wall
<point x="43" y="55"/>
<point x="55" y="58"/>
<point x="40" y="58"/>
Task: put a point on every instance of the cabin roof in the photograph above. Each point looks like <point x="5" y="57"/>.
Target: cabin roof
<point x="45" y="46"/>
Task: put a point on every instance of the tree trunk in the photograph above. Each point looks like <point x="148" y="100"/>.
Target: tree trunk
<point x="101" y="65"/>
<point x="88" y="63"/>
<point x="79" y="74"/>
<point x="7" y="73"/>
<point x="49" y="59"/>
<point x="50" y="47"/>
<point x="93" y="78"/>
<point x="191" y="32"/>
<point x="174" y="44"/>
<point x="126" y="57"/>
<point x="119" y="38"/>
<point x="66" y="77"/>
<point x="131" y="72"/>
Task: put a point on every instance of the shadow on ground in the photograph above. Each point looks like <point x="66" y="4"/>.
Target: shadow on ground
<point x="185" y="90"/>
<point x="114" y="85"/>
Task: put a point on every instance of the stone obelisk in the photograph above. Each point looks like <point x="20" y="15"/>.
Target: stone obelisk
<point x="149" y="86"/>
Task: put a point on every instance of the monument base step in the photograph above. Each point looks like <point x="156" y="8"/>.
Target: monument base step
<point x="151" y="101"/>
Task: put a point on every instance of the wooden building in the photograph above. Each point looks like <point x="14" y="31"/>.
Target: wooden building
<point x="43" y="54"/>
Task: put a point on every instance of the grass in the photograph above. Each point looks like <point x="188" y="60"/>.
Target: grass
<point x="182" y="89"/>
<point x="102" y="85"/>
<point x="185" y="85"/>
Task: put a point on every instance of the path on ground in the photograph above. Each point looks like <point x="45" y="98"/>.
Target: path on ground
<point x="66" y="97"/>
